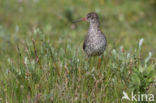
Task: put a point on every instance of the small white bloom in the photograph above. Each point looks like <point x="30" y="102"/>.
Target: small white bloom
<point x="114" y="51"/>
<point x="78" y="60"/>
<point x="149" y="57"/>
<point x="121" y="48"/>
<point x="19" y="73"/>
<point x="17" y="28"/>
<point x="9" y="61"/>
<point x="26" y="60"/>
<point x="36" y="31"/>
<point x="140" y="42"/>
<point x="33" y="62"/>
<point x="128" y="55"/>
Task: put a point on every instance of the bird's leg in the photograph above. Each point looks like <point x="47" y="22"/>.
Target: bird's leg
<point x="99" y="73"/>
<point x="99" y="66"/>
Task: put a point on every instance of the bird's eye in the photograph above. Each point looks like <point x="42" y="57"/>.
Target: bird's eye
<point x="88" y="16"/>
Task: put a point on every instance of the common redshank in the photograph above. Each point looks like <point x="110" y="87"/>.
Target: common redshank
<point x="95" y="42"/>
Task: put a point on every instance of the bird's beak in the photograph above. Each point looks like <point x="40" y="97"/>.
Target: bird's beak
<point x="79" y="20"/>
<point x="84" y="19"/>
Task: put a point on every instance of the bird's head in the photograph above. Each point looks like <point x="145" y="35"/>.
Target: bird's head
<point x="91" y="17"/>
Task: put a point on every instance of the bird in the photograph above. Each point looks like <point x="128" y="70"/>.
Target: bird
<point x="95" y="41"/>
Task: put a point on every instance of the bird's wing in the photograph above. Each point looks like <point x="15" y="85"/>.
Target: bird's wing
<point x="104" y="37"/>
<point x="84" y="43"/>
<point x="84" y="46"/>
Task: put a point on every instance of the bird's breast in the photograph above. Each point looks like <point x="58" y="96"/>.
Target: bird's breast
<point x="95" y="44"/>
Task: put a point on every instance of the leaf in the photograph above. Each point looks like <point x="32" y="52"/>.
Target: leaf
<point x="136" y="80"/>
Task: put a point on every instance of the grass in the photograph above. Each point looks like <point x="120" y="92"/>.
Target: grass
<point x="41" y="56"/>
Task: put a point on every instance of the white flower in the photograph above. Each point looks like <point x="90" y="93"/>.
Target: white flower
<point x="26" y="60"/>
<point x="149" y="57"/>
<point x="121" y="48"/>
<point x="9" y="61"/>
<point x="33" y="62"/>
<point x="17" y="28"/>
<point x="140" y="43"/>
<point x="128" y="55"/>
<point x="114" y="51"/>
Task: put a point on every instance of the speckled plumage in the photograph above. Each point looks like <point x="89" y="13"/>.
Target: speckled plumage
<point x="95" y="42"/>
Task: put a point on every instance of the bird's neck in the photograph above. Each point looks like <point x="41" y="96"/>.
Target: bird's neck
<point x="94" y="27"/>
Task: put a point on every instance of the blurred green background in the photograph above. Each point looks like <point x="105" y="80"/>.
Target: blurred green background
<point x="123" y="21"/>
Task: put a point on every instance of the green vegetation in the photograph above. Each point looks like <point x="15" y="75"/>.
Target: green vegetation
<point x="41" y="56"/>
